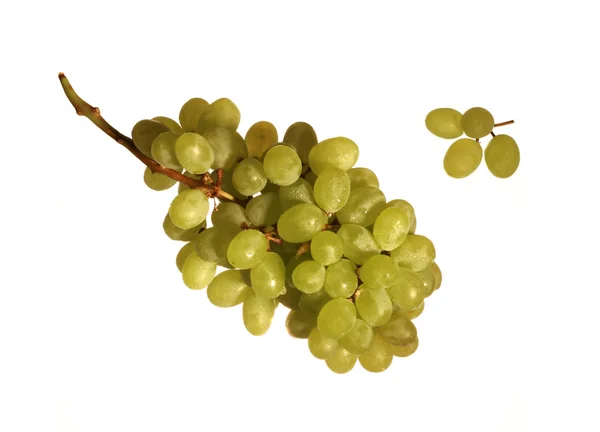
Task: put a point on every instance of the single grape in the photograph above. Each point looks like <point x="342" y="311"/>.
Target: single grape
<point x="340" y="152"/>
<point x="379" y="271"/>
<point x="144" y="133"/>
<point x="290" y="298"/>
<point x="227" y="145"/>
<point x="311" y="304"/>
<point x="444" y="123"/>
<point x="502" y="156"/>
<point x="268" y="277"/>
<point x="247" y="249"/>
<point x="264" y="209"/>
<point x="320" y="346"/>
<point x="189" y="209"/>
<point x="413" y="227"/>
<point x="258" y="313"/>
<point x="332" y="189"/>
<point x="391" y="228"/>
<point x="428" y="278"/>
<point x="340" y="279"/>
<point x="211" y="245"/>
<point x="261" y="136"/>
<point x="414" y="313"/>
<point x="360" y="177"/>
<point x="309" y="276"/>
<point x="399" y="330"/>
<point x="378" y="357"/>
<point x="326" y="247"/>
<point x="359" y="339"/>
<point x="194" y="153"/>
<point x="221" y="113"/>
<point x="363" y="206"/>
<point x="300" y="223"/>
<point x="227" y="184"/>
<point x="437" y="273"/>
<point x="373" y="306"/>
<point x="170" y="123"/>
<point x="409" y="291"/>
<point x="336" y="318"/>
<point x="407" y="208"/>
<point x="228" y="289"/>
<point x="299" y="325"/>
<point x="249" y="176"/>
<point x="462" y="158"/>
<point x="358" y="242"/>
<point x="477" y="122"/>
<point x="291" y="265"/>
<point x="197" y="273"/>
<point x="341" y="361"/>
<point x="229" y="217"/>
<point x="404" y="351"/>
<point x="303" y="137"/>
<point x="282" y="165"/>
<point x="157" y="181"/>
<point x="163" y="150"/>
<point x="299" y="192"/>
<point x="175" y="233"/>
<point x="183" y="253"/>
<point x="190" y="113"/>
<point x="416" y="252"/>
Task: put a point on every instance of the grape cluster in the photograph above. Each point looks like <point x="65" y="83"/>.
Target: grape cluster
<point x="502" y="154"/>
<point x="308" y="231"/>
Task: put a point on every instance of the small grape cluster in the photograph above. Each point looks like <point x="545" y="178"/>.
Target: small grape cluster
<point x="306" y="230"/>
<point x="464" y="156"/>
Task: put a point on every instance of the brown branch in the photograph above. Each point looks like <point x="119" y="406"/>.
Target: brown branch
<point x="304" y="247"/>
<point x="272" y="236"/>
<point x="504" y="123"/>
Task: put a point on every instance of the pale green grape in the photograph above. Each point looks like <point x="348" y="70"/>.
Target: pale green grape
<point x="409" y="291"/>
<point x="227" y="145"/>
<point x="268" y="277"/>
<point x="416" y="252"/>
<point x="340" y="279"/>
<point x="249" y="176"/>
<point x="413" y="227"/>
<point x="282" y="165"/>
<point x="299" y="325"/>
<point x="189" y="209"/>
<point x="379" y="272"/>
<point x="360" y="177"/>
<point x="190" y="113"/>
<point x="157" y="181"/>
<point x="176" y="233"/>
<point x="303" y="137"/>
<point x="300" y="223"/>
<point x="261" y="136"/>
<point x="444" y="123"/>
<point x="291" y="265"/>
<point x="502" y="156"/>
<point x="399" y="330"/>
<point x="336" y="318"/>
<point x="163" y="150"/>
<point x="363" y="206"/>
<point x="477" y="122"/>
<point x="378" y="357"/>
<point x="359" y="339"/>
<point x="462" y="158"/>
<point x="341" y="361"/>
<point x="227" y="184"/>
<point x="407" y="208"/>
<point x="437" y="273"/>
<point x="229" y="217"/>
<point x="211" y="245"/>
<point x="412" y="314"/>
<point x="320" y="346"/>
<point x="264" y="209"/>
<point x="194" y="153"/>
<point x="311" y="178"/>
<point x="258" y="313"/>
<point x="374" y="306"/>
<point x="228" y="289"/>
<point x="144" y="133"/>
<point x="299" y="192"/>
<point x="290" y="298"/>
<point x="197" y="273"/>
<point x="170" y="123"/>
<point x="391" y="228"/>
<point x="326" y="247"/>
<point x="183" y="253"/>
<point x="404" y="351"/>
<point x="309" y="276"/>
<point x="221" y="113"/>
<point x="247" y="249"/>
<point x="332" y="189"/>
<point x="359" y="244"/>
<point x="428" y="278"/>
<point x="311" y="304"/>
<point x="336" y="152"/>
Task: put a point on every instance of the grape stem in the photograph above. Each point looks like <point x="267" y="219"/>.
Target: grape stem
<point x="83" y="108"/>
<point x="504" y="123"/>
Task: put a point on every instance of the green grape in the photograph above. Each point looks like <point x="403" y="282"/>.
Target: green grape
<point x="412" y="314"/>
<point x="359" y="244"/>
<point x="300" y="223"/>
<point x="399" y="330"/>
<point x="311" y="178"/>
<point x="228" y="146"/>
<point x="374" y="306"/>
<point x="227" y="184"/>
<point x="363" y="206"/>
<point x="228" y="289"/>
<point x="437" y="273"/>
<point x="379" y="271"/>
<point x="282" y="165"/>
<point x="175" y="233"/>
<point x="391" y="228"/>
<point x="211" y="245"/>
<point x="229" y="217"/>
<point x="299" y="325"/>
<point x="170" y="123"/>
<point x="444" y="123"/>
<point x="340" y="279"/>
<point x="359" y="339"/>
<point x="336" y="318"/>
<point x="311" y="304"/>
<point x="249" y="176"/>
<point x="320" y="346"/>
<point x="409" y="291"/>
<point x="157" y="181"/>
<point x="413" y="227"/>
<point x="416" y="252"/>
<point x="404" y="351"/>
<point x="360" y="177"/>
<point x="221" y="113"/>
<point x="194" y="153"/>
<point x="189" y="209"/>
<point x="502" y="156"/>
<point x="268" y="277"/>
<point x="477" y="122"/>
<point x="260" y="137"/>
<point x="332" y="189"/>
<point x="407" y="208"/>
<point x="247" y="249"/>
<point x="303" y="137"/>
<point x="299" y="192"/>
<point x="428" y="278"/>
<point x="183" y="253"/>
<point x="326" y="247"/>
<point x="183" y="186"/>
<point x="258" y="314"/>
<point x="196" y="272"/>
<point x="462" y="158"/>
<point x="163" y="150"/>
<point x="190" y="113"/>
<point x="341" y="361"/>
<point x="290" y="298"/>
<point x="264" y="209"/>
<point x="144" y="133"/>
<point x="309" y="276"/>
<point x="337" y="152"/>
<point x="291" y="265"/>
<point x="378" y="357"/>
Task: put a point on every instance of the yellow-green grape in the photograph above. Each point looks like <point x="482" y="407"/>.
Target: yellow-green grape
<point x="341" y="361"/>
<point x="211" y="245"/>
<point x="228" y="289"/>
<point x="408" y="292"/>
<point x="175" y="233"/>
<point x="190" y="113"/>
<point x="374" y="306"/>
<point x="326" y="247"/>
<point x="379" y="272"/>
<point x="194" y="153"/>
<point x="320" y="346"/>
<point x="227" y="184"/>
<point x="336" y="318"/>
<point x="290" y="298"/>
<point x="462" y="158"/>
<point x="309" y="276"/>
<point x="415" y="313"/>
<point x="502" y="156"/>
<point x="363" y="206"/>
<point x="144" y="133"/>
<point x="261" y="136"/>
<point x="291" y="265"/>
<point x="264" y="209"/>
<point x="170" y="123"/>
<point x="228" y="146"/>
<point x="197" y="273"/>
<point x="258" y="313"/>
<point x="332" y="189"/>
<point x="340" y="152"/>
<point x="428" y="278"/>
<point x="358" y="242"/>
<point x="312" y="304"/>
<point x="340" y="279"/>
<point x="299" y="325"/>
<point x="303" y="137"/>
<point x="299" y="192"/>
<point x="416" y="252"/>
<point x="404" y="351"/>
<point x="360" y="177"/>
<point x="399" y="330"/>
<point x="157" y="181"/>
<point x="378" y="357"/>
<point x="268" y="277"/>
<point x="311" y="178"/>
<point x="183" y="186"/>
<point x="300" y="223"/>
<point x="282" y="165"/>
<point x="183" y="253"/>
<point x="359" y="339"/>
<point x="249" y="176"/>
<point x="444" y="123"/>
<point x="413" y="227"/>
<point x="189" y="209"/>
<point x="247" y="249"/>
<point x="437" y="273"/>
<point x="477" y="122"/>
<point x="391" y="228"/>
<point x="163" y="150"/>
<point x="222" y="113"/>
<point x="229" y="217"/>
<point x="407" y="208"/>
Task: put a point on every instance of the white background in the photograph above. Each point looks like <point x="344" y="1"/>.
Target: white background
<point x="97" y="331"/>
